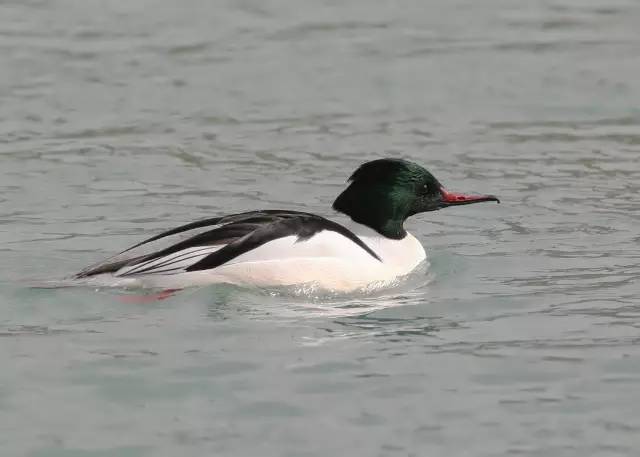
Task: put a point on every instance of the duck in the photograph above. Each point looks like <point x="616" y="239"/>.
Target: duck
<point x="273" y="248"/>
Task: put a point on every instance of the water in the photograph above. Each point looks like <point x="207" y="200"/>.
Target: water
<point x="119" y="119"/>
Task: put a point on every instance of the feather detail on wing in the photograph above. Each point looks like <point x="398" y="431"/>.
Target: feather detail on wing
<point x="212" y="242"/>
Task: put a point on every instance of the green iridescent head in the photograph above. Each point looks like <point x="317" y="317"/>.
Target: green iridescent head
<point x="383" y="193"/>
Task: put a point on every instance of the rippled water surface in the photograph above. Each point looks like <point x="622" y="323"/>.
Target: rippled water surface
<point x="122" y="118"/>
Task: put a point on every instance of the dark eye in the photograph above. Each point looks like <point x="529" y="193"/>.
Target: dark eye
<point x="425" y="189"/>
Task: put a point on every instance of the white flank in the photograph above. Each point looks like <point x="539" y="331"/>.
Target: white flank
<point x="328" y="260"/>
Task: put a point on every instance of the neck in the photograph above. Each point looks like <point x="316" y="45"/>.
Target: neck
<point x="393" y="229"/>
<point x="377" y="210"/>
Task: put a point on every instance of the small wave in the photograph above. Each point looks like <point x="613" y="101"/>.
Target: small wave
<point x="309" y="298"/>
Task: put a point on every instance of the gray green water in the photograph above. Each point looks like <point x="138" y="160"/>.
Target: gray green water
<point x="122" y="118"/>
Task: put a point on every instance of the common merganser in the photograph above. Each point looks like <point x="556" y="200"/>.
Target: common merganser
<point x="282" y="248"/>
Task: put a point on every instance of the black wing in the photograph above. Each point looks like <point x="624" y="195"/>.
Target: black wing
<point x="236" y="234"/>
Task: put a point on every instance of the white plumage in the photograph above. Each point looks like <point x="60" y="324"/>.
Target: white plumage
<point x="327" y="260"/>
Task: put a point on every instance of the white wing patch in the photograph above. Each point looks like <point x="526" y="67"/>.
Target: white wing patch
<point x="176" y="262"/>
<point x="322" y="245"/>
<point x="148" y="247"/>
